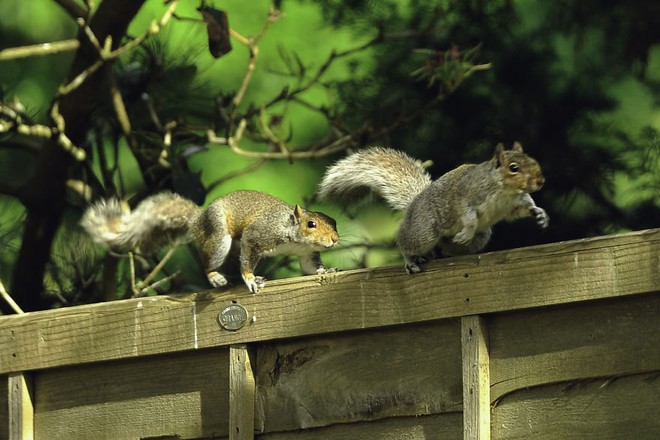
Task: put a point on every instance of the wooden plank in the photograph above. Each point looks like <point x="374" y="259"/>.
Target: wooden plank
<point x="21" y="407"/>
<point x="184" y="395"/>
<point x="617" y="336"/>
<point x="539" y="276"/>
<point x="444" y="426"/>
<point x="476" y="378"/>
<point x="4" y="408"/>
<point x="241" y="394"/>
<point x="604" y="409"/>
<point x="354" y="377"/>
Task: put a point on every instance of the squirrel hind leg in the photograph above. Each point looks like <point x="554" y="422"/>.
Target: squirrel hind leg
<point x="449" y="248"/>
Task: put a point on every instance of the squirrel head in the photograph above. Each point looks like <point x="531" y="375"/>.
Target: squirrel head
<point x="518" y="170"/>
<point x="316" y="227"/>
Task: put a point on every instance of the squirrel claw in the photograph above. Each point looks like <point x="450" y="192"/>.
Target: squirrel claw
<point x="413" y="267"/>
<point x="254" y="283"/>
<point x="541" y="217"/>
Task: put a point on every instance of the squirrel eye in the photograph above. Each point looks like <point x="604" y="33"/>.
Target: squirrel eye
<point x="513" y="167"/>
<point x="311" y="224"/>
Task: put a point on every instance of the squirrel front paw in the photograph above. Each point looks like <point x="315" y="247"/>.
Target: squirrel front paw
<point x="216" y="279"/>
<point x="464" y="237"/>
<point x="540" y="216"/>
<point x="322" y="270"/>
<point x="254" y="283"/>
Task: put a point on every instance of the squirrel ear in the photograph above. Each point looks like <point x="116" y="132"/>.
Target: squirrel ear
<point x="498" y="157"/>
<point x="517" y="146"/>
<point x="297" y="214"/>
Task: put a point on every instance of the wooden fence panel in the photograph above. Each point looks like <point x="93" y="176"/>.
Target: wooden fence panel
<point x="184" y="394"/>
<point x="603" y="409"/>
<point x="445" y="426"/>
<point x="406" y="371"/>
<point x="605" y="338"/>
<point x="567" y="335"/>
<point x="4" y="407"/>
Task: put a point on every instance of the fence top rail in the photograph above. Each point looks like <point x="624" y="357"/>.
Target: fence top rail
<point x="538" y="276"/>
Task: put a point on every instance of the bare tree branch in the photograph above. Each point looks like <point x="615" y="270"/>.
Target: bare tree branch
<point x="12" y="53"/>
<point x="10" y="300"/>
<point x="44" y="196"/>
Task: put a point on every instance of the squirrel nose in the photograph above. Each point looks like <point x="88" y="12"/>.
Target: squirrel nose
<point x="335" y="238"/>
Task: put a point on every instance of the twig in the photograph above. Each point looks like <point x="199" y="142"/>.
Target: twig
<point x="152" y="111"/>
<point x="287" y="94"/>
<point x="254" y="53"/>
<point x="14" y="121"/>
<point x="131" y="266"/>
<point x="159" y="282"/>
<point x="12" y="53"/>
<point x="272" y="136"/>
<point x="10" y="300"/>
<point x="141" y="286"/>
<point x="251" y="44"/>
<point x="62" y="139"/>
<point x="335" y="146"/>
<point x="105" y="52"/>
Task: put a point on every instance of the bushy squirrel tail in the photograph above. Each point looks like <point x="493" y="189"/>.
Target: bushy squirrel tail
<point x="157" y="221"/>
<point x="391" y="174"/>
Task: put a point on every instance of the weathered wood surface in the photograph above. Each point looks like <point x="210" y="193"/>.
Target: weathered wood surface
<point x="603" y="409"/>
<point x="182" y="394"/>
<point x="608" y="338"/>
<point x="241" y="393"/>
<point x="354" y="377"/>
<point x="509" y="280"/>
<point x="403" y="382"/>
<point x="476" y="378"/>
<point x="4" y="408"/>
<point x="445" y="426"/>
<point x="21" y="406"/>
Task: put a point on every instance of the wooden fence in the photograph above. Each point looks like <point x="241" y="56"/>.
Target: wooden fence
<point x="556" y="341"/>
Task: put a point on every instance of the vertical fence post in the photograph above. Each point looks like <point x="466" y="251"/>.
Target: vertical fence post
<point x="21" y="408"/>
<point x="241" y="394"/>
<point x="476" y="378"/>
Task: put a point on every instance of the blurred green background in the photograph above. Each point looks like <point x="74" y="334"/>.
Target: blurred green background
<point x="577" y="82"/>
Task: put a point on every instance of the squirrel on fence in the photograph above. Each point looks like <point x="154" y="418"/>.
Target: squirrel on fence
<point x="254" y="223"/>
<point x="452" y="215"/>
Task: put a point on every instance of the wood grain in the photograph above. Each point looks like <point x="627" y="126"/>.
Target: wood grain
<point x="603" y="409"/>
<point x="21" y="406"/>
<point x="445" y="426"/>
<point x="183" y="395"/>
<point x="539" y="276"/>
<point x="362" y="376"/>
<point x="4" y="408"/>
<point x="241" y="394"/>
<point x="611" y="337"/>
<point x="476" y="378"/>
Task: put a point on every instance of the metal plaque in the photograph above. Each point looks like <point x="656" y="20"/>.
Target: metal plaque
<point x="233" y="317"/>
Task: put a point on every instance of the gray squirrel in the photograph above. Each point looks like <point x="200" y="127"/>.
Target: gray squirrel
<point x="255" y="223"/>
<point x="452" y="215"/>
